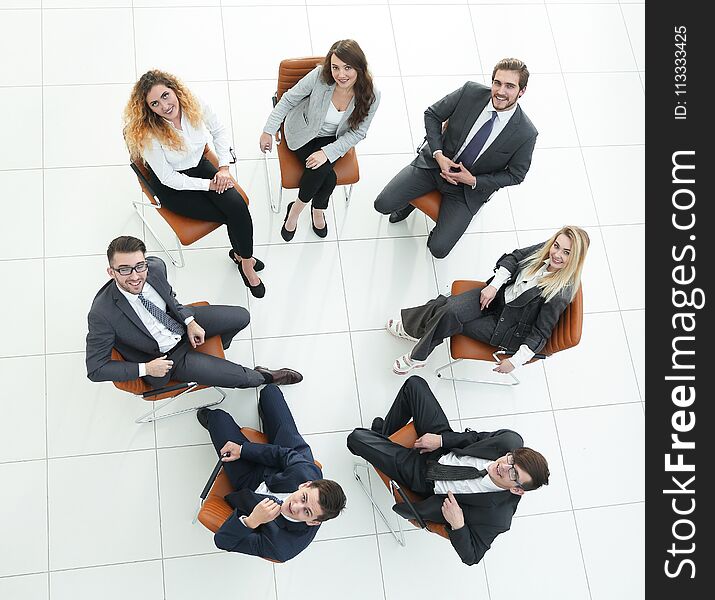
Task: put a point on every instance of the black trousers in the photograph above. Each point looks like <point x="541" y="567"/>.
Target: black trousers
<point x="444" y="317"/>
<point x="278" y="425"/>
<point x="316" y="184"/>
<point x="190" y="365"/>
<point x="228" y="208"/>
<point x="415" y="401"/>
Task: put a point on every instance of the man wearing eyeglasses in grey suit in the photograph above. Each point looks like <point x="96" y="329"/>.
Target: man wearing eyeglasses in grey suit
<point x="137" y="313"/>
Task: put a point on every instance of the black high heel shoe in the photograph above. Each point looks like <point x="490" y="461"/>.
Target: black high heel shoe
<point x="319" y="232"/>
<point x="258" y="290"/>
<point x="285" y="234"/>
<point x="259" y="266"/>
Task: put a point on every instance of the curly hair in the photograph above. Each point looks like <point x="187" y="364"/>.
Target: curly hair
<point x="141" y="124"/>
<point x="350" y="53"/>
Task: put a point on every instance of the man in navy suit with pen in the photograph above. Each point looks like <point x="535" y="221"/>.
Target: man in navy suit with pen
<point x="281" y="497"/>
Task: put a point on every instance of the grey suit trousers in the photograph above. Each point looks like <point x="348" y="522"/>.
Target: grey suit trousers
<point x="454" y="214"/>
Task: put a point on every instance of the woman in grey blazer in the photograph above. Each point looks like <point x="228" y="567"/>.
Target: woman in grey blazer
<point x="326" y="113"/>
<point x="517" y="309"/>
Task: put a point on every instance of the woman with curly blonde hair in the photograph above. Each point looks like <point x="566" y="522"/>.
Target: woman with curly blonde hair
<point x="167" y="127"/>
<point x="517" y="309"/>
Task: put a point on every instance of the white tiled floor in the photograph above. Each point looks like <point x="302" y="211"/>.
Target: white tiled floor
<point x="96" y="506"/>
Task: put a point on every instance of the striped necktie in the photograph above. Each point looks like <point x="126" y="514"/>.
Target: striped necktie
<point x="166" y="320"/>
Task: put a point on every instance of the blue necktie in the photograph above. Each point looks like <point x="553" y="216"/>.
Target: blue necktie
<point x="166" y="320"/>
<point x="475" y="145"/>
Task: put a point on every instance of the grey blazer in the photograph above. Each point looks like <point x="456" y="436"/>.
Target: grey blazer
<point x="507" y="159"/>
<point x="113" y="323"/>
<point x="304" y="107"/>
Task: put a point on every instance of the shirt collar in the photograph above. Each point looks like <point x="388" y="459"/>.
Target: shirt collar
<point x="503" y="116"/>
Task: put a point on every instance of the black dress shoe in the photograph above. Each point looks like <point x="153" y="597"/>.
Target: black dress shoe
<point x="319" y="232"/>
<point x="285" y="234"/>
<point x="378" y="424"/>
<point x="282" y="376"/>
<point x="202" y="416"/>
<point x="258" y="290"/>
<point x="259" y="266"/>
<point x="402" y="214"/>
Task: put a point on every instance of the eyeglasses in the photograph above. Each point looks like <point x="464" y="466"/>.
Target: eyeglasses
<point x="513" y="475"/>
<point x="125" y="270"/>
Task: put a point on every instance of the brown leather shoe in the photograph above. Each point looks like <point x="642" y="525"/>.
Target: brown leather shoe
<point x="282" y="376"/>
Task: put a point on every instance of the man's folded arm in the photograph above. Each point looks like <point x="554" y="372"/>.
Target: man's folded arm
<point x="234" y="536"/>
<point x="468" y="544"/>
<point x="100" y="341"/>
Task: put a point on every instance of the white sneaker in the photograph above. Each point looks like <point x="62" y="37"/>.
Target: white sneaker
<point x="394" y="326"/>
<point x="404" y="364"/>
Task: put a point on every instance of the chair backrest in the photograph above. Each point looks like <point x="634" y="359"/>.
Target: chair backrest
<point x="292" y="70"/>
<point x="406" y="437"/>
<point x="566" y="333"/>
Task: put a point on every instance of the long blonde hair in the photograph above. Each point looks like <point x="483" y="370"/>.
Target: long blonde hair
<point x="552" y="284"/>
<point x="141" y="124"/>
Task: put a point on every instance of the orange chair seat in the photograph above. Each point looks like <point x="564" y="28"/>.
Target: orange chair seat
<point x="566" y="334"/>
<point x="429" y="204"/>
<point x="406" y="436"/>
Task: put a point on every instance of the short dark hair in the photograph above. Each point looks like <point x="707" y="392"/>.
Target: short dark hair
<point x="125" y="244"/>
<point x="534" y="464"/>
<point x="330" y="497"/>
<point x="513" y="64"/>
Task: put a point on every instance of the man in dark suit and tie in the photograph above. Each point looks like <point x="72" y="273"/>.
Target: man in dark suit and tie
<point x="486" y="145"/>
<point x="281" y="497"/>
<point x="471" y="481"/>
<point x="137" y="313"/>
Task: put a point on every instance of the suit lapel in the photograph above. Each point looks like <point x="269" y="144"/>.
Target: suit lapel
<point x="504" y="135"/>
<point x="123" y="305"/>
<point x="469" y="123"/>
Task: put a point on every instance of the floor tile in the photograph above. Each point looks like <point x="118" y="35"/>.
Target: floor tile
<point x="578" y="31"/>
<point x="383" y="276"/>
<point x="634" y="322"/>
<point x="530" y="36"/>
<point x="634" y="15"/>
<point x="315" y="270"/>
<point x="183" y="472"/>
<point x="621" y="200"/>
<point x="26" y="150"/>
<point x="74" y="215"/>
<point x="252" y="98"/>
<point x="630" y="285"/>
<point x="370" y="27"/>
<point x="141" y="581"/>
<point x="362" y="570"/>
<point x="317" y="358"/>
<point x="20" y="37"/>
<point x="413" y="24"/>
<point x="22" y="429"/>
<point x="27" y="587"/>
<point x="252" y="52"/>
<point x="614" y="570"/>
<point x="210" y="576"/>
<point x="591" y="96"/>
<point x="66" y="307"/>
<point x="87" y="3"/>
<point x="422" y="553"/>
<point x="582" y="432"/>
<point x="603" y="348"/>
<point x="66" y="36"/>
<point x="545" y="540"/>
<point x="539" y="432"/>
<point x="120" y="512"/>
<point x="25" y="547"/>
<point x="330" y="449"/>
<point x="199" y="57"/>
<point x="27" y="335"/>
<point x="77" y="132"/>
<point x="21" y="227"/>
<point x="537" y="203"/>
<point x="89" y="418"/>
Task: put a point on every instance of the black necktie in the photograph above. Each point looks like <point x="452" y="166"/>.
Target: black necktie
<point x="475" y="145"/>
<point x="439" y="472"/>
<point x="274" y="498"/>
<point x="166" y="320"/>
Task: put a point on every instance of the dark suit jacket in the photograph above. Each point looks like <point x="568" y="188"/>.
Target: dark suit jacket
<point x="113" y="323"/>
<point x="486" y="514"/>
<point x="505" y="162"/>
<point x="283" y="470"/>
<point x="527" y="319"/>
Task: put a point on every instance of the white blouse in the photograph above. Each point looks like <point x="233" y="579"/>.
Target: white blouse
<point x="331" y="121"/>
<point x="166" y="162"/>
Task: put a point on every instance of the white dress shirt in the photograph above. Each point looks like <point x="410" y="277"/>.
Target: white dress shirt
<point x="166" y="163"/>
<point x="164" y="337"/>
<point x="466" y="486"/>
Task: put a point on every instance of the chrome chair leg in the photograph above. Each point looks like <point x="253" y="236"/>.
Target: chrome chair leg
<point x="151" y="416"/>
<point x="177" y="263"/>
<point x="399" y="535"/>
